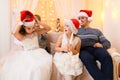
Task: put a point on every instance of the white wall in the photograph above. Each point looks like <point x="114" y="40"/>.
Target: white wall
<point x="111" y="21"/>
<point x="4" y="26"/>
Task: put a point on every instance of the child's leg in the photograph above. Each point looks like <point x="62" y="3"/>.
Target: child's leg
<point x="68" y="77"/>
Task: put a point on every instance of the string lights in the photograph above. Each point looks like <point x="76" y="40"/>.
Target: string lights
<point x="46" y="9"/>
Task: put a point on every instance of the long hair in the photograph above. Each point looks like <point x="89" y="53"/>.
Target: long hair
<point x="22" y="30"/>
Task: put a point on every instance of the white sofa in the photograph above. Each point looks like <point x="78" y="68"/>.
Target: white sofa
<point x="52" y="38"/>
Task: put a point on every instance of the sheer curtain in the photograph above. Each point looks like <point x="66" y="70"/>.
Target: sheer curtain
<point x="4" y="27"/>
<point x="16" y="7"/>
<point x="66" y="9"/>
<point x="111" y="21"/>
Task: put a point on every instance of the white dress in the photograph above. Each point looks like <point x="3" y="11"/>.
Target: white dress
<point x="67" y="63"/>
<point x="32" y="63"/>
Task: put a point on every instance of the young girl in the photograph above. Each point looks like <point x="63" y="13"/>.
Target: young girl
<point x="67" y="49"/>
<point x="31" y="63"/>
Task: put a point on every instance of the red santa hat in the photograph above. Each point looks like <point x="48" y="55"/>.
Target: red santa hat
<point x="30" y="21"/>
<point x="73" y="24"/>
<point x="86" y="13"/>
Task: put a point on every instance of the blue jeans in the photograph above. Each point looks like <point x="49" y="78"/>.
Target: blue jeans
<point x="89" y="56"/>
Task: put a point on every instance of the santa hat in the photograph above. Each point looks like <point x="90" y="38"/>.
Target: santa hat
<point x="86" y="13"/>
<point x="30" y="21"/>
<point x="73" y="24"/>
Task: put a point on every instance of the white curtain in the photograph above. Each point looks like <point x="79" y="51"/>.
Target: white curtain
<point x="4" y="27"/>
<point x="24" y="4"/>
<point x="16" y="7"/>
<point x="111" y="21"/>
<point x="66" y="9"/>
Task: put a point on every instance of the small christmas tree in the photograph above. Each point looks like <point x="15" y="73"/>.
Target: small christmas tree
<point x="58" y="26"/>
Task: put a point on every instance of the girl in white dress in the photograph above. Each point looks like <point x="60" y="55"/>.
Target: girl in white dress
<point x="31" y="63"/>
<point x="67" y="49"/>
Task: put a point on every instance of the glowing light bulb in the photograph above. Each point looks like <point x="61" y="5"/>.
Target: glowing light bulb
<point x="42" y="7"/>
<point x="50" y="14"/>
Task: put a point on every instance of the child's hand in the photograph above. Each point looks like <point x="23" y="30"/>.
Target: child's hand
<point x="27" y="18"/>
<point x="70" y="47"/>
<point x="98" y="45"/>
<point x="65" y="49"/>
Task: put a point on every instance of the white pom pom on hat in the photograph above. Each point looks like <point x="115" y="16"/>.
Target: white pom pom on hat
<point x="30" y="22"/>
<point x="73" y="24"/>
<point x="86" y="13"/>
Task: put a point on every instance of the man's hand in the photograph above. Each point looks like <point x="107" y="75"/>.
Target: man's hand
<point x="98" y="45"/>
